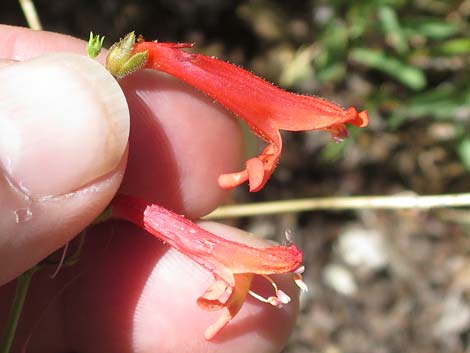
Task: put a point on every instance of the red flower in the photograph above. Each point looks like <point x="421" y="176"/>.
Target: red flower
<point x="265" y="107"/>
<point x="232" y="264"/>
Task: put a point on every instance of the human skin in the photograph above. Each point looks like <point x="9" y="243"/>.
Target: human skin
<point x="129" y="292"/>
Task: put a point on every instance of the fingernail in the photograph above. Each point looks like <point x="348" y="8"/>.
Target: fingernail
<point x="64" y="122"/>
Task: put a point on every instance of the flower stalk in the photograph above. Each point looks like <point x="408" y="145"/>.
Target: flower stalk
<point x="22" y="287"/>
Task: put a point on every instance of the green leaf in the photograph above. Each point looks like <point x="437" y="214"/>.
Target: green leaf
<point x="335" y="37"/>
<point x="432" y="28"/>
<point x="408" y="75"/>
<point x="458" y="46"/>
<point x="463" y="149"/>
<point x="299" y="68"/>
<point x="331" y="72"/>
<point x="394" y="35"/>
<point x="442" y="103"/>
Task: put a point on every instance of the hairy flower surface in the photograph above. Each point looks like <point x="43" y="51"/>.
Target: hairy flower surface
<point x="232" y="264"/>
<point x="265" y="107"/>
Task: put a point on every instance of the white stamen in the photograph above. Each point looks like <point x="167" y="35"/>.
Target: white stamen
<point x="301" y="284"/>
<point x="283" y="297"/>
<point x="278" y="300"/>
<point x="289" y="236"/>
<point x="274" y="301"/>
<point x="259" y="297"/>
<point x="300" y="270"/>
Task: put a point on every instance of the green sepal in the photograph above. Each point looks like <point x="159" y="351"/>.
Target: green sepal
<point x="120" y="62"/>
<point x="95" y="44"/>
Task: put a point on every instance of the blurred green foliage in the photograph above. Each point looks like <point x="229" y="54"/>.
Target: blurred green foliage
<point x="402" y="60"/>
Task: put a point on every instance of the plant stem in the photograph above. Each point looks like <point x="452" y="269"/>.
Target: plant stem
<point x="29" y="11"/>
<point x="22" y="287"/>
<point x="342" y="203"/>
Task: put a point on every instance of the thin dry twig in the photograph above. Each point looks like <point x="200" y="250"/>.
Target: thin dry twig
<point x="29" y="11"/>
<point x="343" y="203"/>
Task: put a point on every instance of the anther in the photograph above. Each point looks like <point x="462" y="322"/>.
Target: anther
<point x="298" y="278"/>
<point x="278" y="300"/>
<point x="289" y="237"/>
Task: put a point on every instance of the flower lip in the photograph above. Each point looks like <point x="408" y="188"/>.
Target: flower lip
<point x="232" y="264"/>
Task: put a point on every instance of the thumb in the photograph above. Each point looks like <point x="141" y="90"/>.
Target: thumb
<point x="64" y="126"/>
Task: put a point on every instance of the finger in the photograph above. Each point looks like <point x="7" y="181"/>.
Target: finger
<point x="22" y="43"/>
<point x="180" y="142"/>
<point x="140" y="296"/>
<point x="5" y="62"/>
<point x="64" y="127"/>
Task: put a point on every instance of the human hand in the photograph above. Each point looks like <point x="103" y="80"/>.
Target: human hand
<point x="129" y="293"/>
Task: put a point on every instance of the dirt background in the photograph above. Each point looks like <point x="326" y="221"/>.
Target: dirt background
<point x="380" y="281"/>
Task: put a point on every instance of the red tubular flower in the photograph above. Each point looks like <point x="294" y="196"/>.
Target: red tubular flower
<point x="265" y="107"/>
<point x="232" y="264"/>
